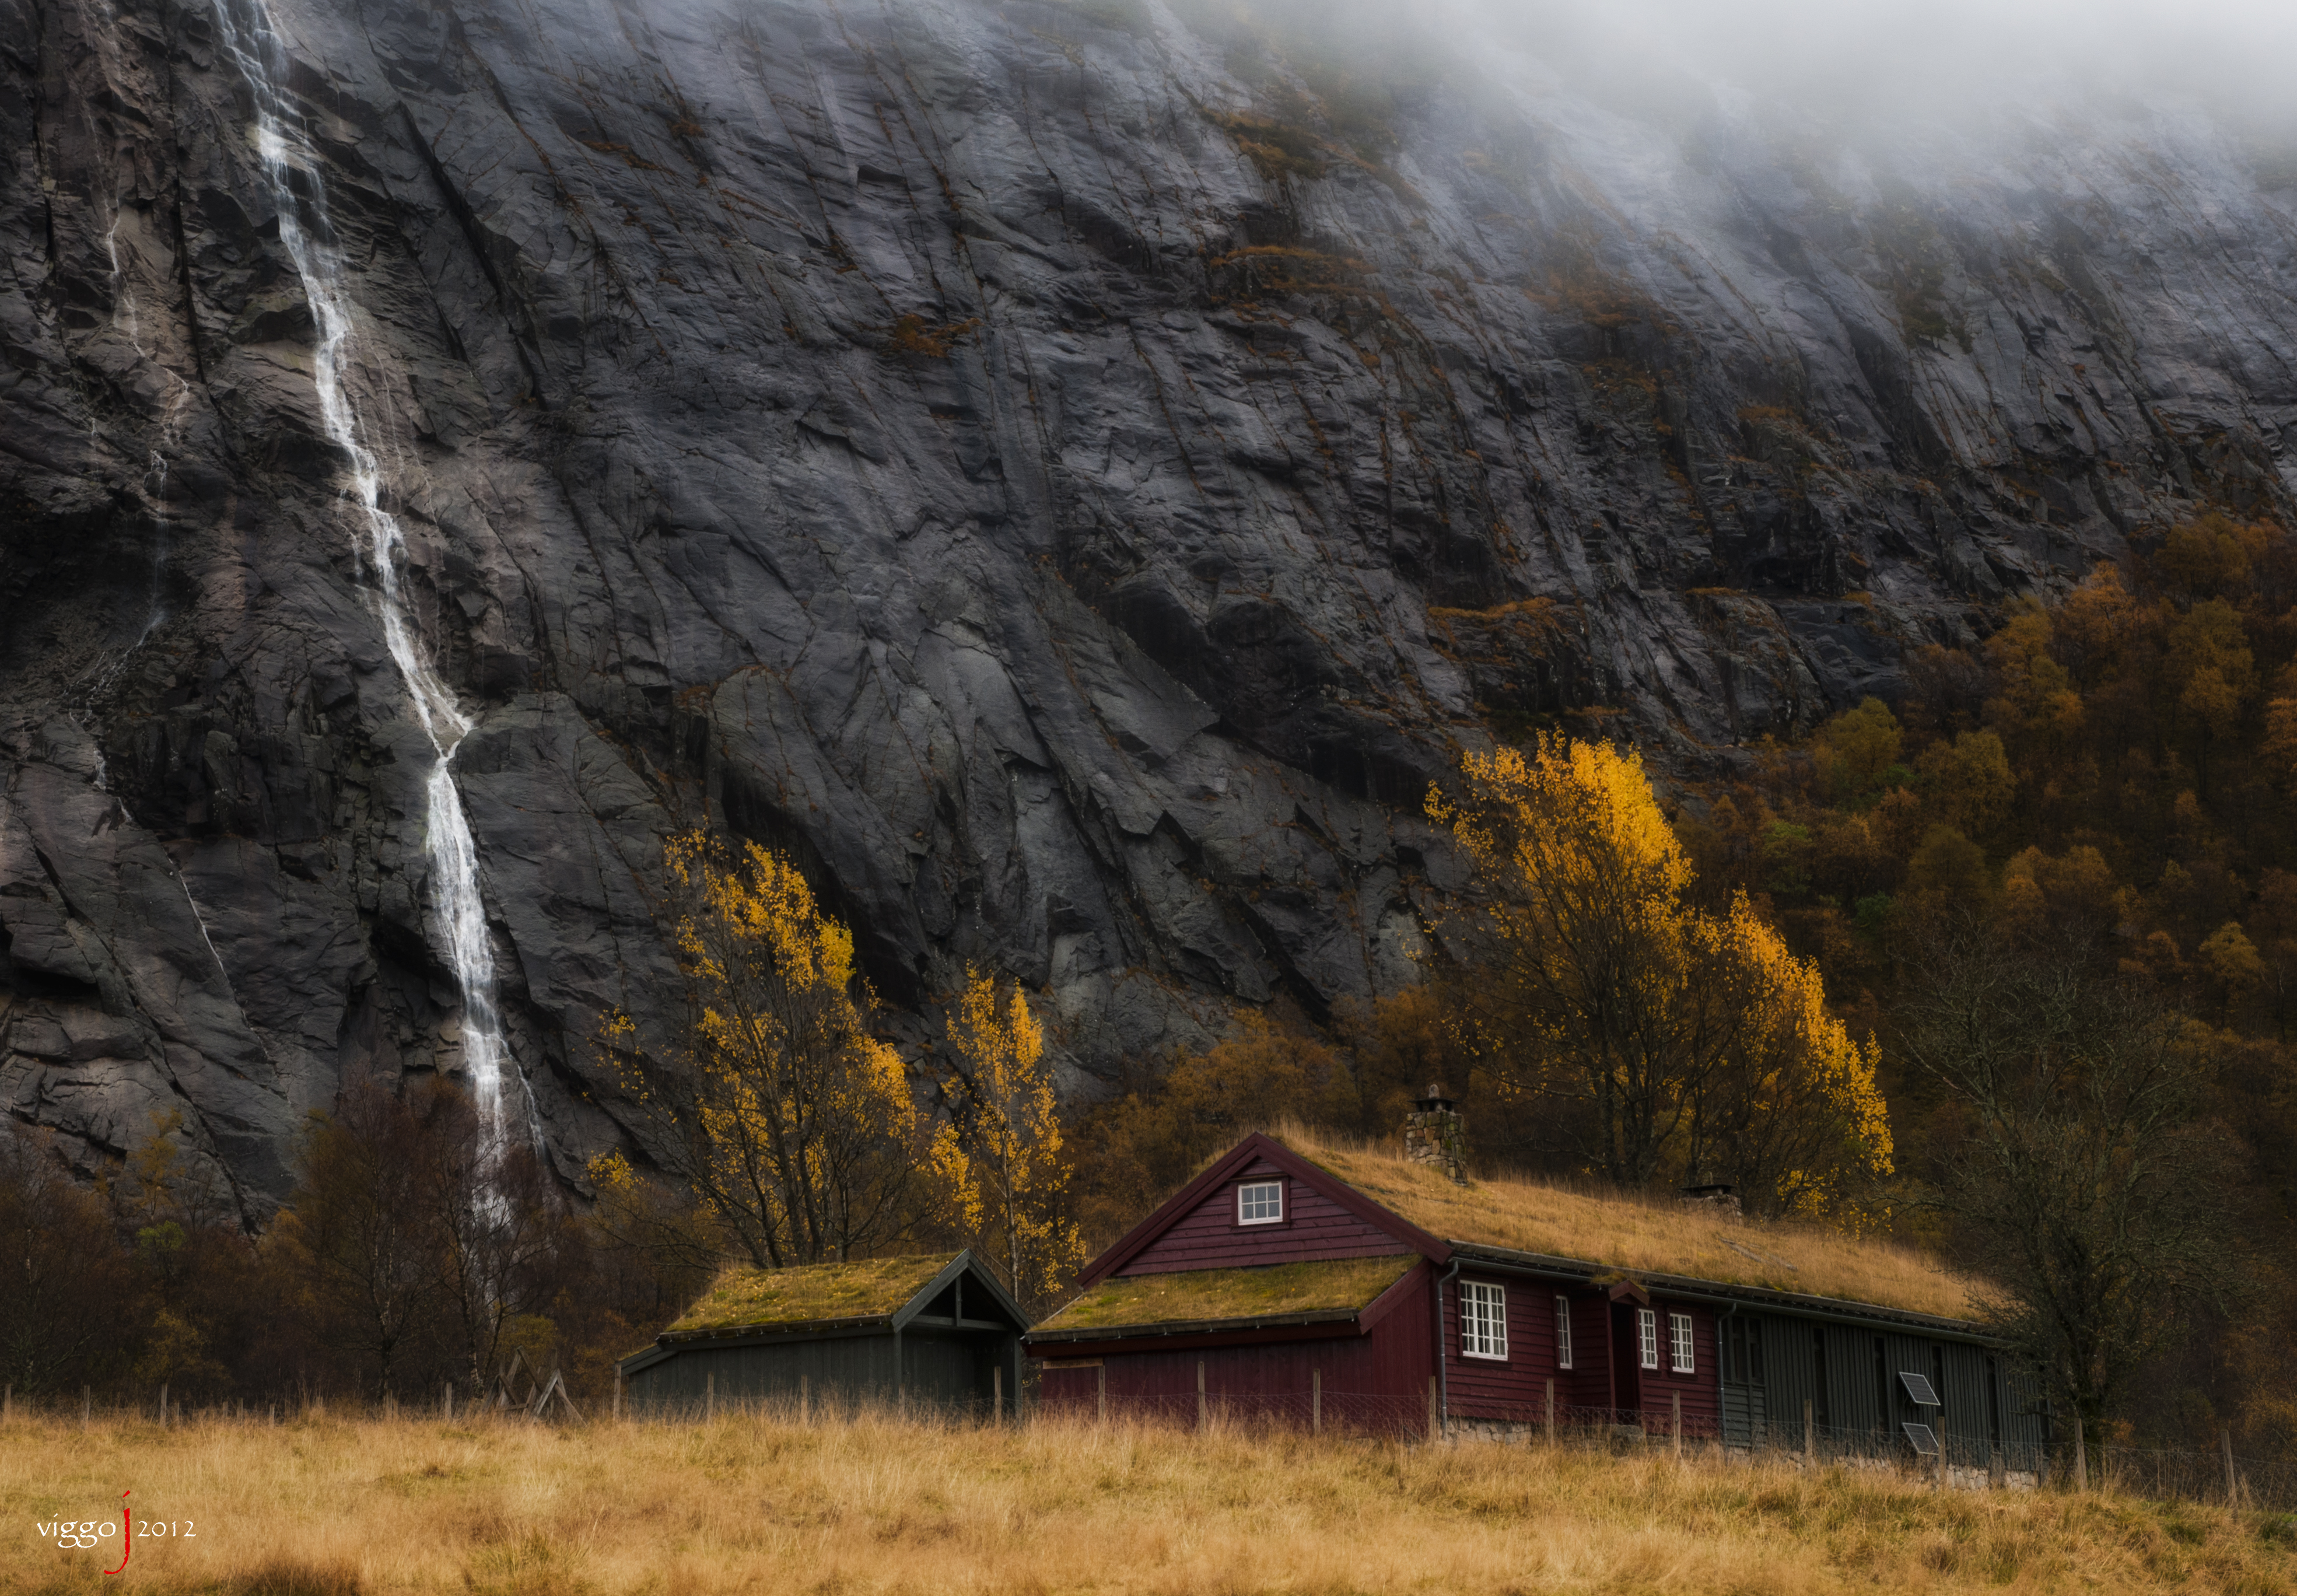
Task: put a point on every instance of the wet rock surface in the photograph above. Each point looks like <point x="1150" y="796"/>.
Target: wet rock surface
<point x="1070" y="495"/>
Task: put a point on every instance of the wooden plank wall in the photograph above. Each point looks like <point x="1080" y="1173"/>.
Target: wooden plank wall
<point x="1481" y="1388"/>
<point x="1207" y="1237"/>
<point x="1701" y="1390"/>
<point x="951" y="1369"/>
<point x="1392" y="1362"/>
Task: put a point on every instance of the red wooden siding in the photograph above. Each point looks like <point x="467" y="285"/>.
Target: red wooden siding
<point x="1702" y="1389"/>
<point x="1208" y="1236"/>
<point x="1388" y="1369"/>
<point x="1482" y="1388"/>
<point x="1590" y="1380"/>
<point x="1516" y="1389"/>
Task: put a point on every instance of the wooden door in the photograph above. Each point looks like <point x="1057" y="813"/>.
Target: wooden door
<point x="1626" y="1360"/>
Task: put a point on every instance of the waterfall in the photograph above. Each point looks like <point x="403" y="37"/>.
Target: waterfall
<point x="292" y="168"/>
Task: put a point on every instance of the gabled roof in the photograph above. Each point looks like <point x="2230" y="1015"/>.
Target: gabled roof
<point x="1214" y="1300"/>
<point x="1521" y="1224"/>
<point x="1532" y="1223"/>
<point x="744" y="1301"/>
<point x="1234" y="1162"/>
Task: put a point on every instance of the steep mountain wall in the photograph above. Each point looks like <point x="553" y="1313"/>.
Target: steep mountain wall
<point x="1067" y="476"/>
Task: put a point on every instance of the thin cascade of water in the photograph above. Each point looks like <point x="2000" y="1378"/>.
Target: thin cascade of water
<point x="291" y="165"/>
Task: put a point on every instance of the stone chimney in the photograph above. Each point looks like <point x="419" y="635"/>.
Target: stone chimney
<point x="1432" y="1134"/>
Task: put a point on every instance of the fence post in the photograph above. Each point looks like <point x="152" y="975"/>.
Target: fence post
<point x="1315" y="1401"/>
<point x="709" y="1395"/>
<point x="1431" y="1408"/>
<point x="1551" y="1409"/>
<point x="997" y="1397"/>
<point x="2082" y="1454"/>
<point x="1200" y="1396"/>
<point x="1100" y="1392"/>
<point x="2232" y="1481"/>
<point x="1940" y="1485"/>
<point x="1810" y="1434"/>
<point x="1997" y="1471"/>
<point x="618" y="1394"/>
<point x="1677" y="1424"/>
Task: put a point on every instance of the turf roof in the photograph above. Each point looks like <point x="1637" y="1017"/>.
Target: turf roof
<point x="744" y="1295"/>
<point x="1345" y="1285"/>
<point x="1640" y="1236"/>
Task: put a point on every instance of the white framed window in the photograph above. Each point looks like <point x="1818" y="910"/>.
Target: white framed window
<point x="1678" y="1343"/>
<point x="1562" y="1331"/>
<point x="1647" y="1335"/>
<point x="1483" y="1320"/>
<point x="1260" y="1203"/>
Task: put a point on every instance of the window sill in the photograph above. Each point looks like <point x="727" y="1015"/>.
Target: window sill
<point x="1486" y="1357"/>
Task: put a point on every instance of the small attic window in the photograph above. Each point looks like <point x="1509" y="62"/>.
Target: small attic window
<point x="1260" y="1203"/>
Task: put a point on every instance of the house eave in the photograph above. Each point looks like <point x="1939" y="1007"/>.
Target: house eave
<point x="1343" y="1318"/>
<point x="722" y="1335"/>
<point x="1803" y="1305"/>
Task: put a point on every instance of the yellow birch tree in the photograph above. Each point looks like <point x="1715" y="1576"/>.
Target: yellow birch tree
<point x="795" y="1127"/>
<point x="1664" y="1042"/>
<point x="1005" y="1163"/>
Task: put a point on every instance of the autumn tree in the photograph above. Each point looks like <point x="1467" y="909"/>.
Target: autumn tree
<point x="2092" y="1185"/>
<point x="1004" y="1162"/>
<point x="194" y="1268"/>
<point x="1664" y="1038"/>
<point x="63" y="1276"/>
<point x="360" y="1238"/>
<point x="1791" y="1113"/>
<point x="794" y="1126"/>
<point x="502" y="1240"/>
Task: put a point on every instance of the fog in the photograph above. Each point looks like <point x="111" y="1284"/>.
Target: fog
<point x="1939" y="60"/>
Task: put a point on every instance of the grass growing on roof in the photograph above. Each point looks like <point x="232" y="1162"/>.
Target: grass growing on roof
<point x="1651" y="1236"/>
<point x="1197" y="1295"/>
<point x="745" y="1295"/>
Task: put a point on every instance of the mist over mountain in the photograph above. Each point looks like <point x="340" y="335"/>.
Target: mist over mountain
<point x="1073" y="473"/>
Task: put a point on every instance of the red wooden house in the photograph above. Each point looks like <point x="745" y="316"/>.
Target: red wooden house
<point x="1349" y="1287"/>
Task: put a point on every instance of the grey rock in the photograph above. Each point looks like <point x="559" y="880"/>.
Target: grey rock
<point x="922" y="437"/>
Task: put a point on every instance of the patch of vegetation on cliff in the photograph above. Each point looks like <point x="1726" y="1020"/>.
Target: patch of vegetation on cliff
<point x="1914" y="258"/>
<point x="914" y="336"/>
<point x="1285" y="268"/>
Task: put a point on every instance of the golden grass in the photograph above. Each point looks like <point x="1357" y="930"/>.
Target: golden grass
<point x="745" y="1505"/>
<point x="1635" y="1235"/>
<point x="1204" y="1293"/>
<point x="744" y="1295"/>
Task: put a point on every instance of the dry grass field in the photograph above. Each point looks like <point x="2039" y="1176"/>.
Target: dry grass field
<point x="329" y="1508"/>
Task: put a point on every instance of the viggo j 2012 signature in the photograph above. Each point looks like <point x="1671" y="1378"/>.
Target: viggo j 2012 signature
<point x="95" y="1532"/>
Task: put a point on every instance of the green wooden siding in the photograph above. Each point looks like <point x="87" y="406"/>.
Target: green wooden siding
<point x="947" y="1369"/>
<point x="1848" y="1374"/>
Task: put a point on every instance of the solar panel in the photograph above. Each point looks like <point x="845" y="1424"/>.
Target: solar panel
<point x="1918" y="1389"/>
<point x="1920" y="1437"/>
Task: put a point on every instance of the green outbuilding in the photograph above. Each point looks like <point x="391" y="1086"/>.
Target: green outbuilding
<point x="933" y="1332"/>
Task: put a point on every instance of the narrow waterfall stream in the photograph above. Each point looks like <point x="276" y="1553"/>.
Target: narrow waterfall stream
<point x="292" y="168"/>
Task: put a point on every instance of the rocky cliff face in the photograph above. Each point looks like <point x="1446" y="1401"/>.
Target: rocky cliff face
<point x="1064" y="471"/>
